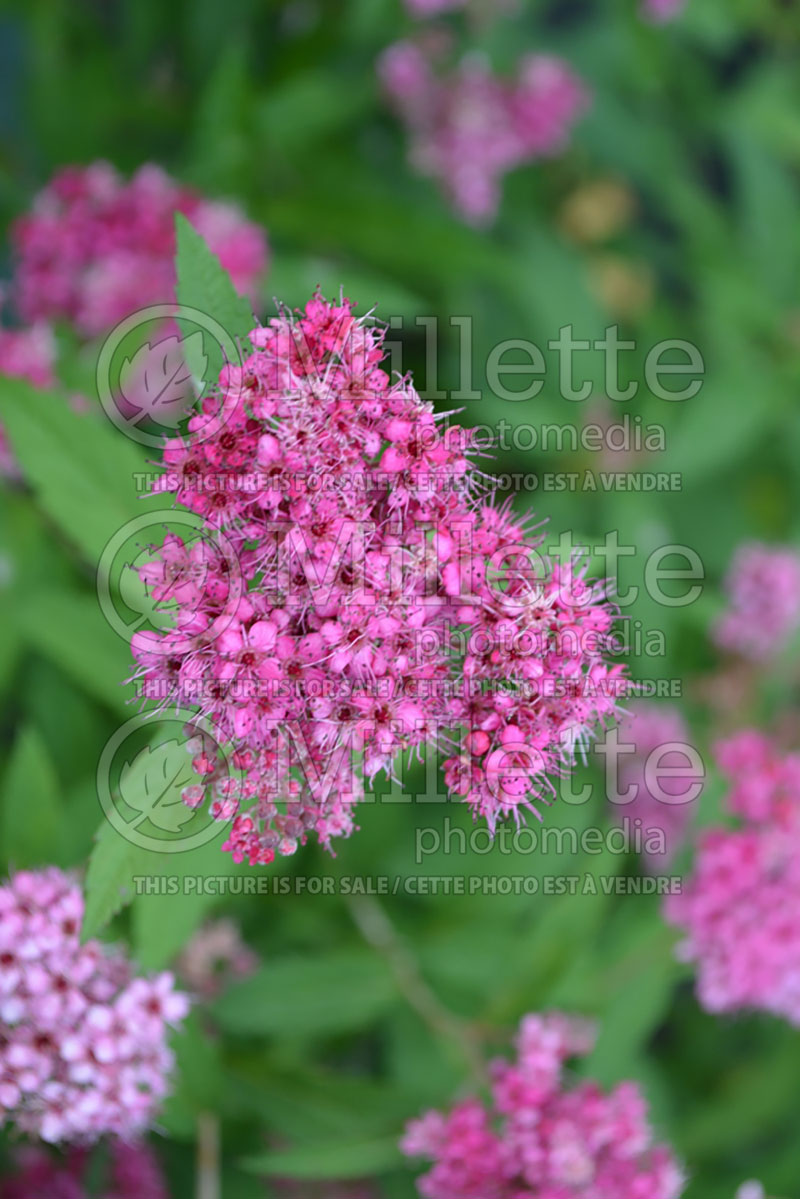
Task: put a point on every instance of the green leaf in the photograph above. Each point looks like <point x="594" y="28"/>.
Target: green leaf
<point x="298" y="997"/>
<point x="334" y="1159"/>
<point x="31" y="821"/>
<point x="204" y="284"/>
<point x="80" y="468"/>
<point x="113" y="864"/>
<point x="68" y="628"/>
<point x="163" y="922"/>
<point x="197" y="1078"/>
<point x="150" y="784"/>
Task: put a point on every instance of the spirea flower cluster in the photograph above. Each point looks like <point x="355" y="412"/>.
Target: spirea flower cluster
<point x="763" y="601"/>
<point x="95" y="248"/>
<point x="660" y="800"/>
<point x="740" y="908"/>
<point x="360" y="600"/>
<point x="83" y="1047"/>
<point x="538" y="1138"/>
<point x="133" y="1173"/>
<point x="468" y="126"/>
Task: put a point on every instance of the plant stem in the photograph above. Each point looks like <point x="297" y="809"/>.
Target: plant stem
<point x="208" y="1182"/>
<point x="379" y="932"/>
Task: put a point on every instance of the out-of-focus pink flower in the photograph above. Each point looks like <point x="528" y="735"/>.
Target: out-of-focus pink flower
<point x="740" y="908"/>
<point x="763" y="594"/>
<point x="96" y="248"/>
<point x="385" y="606"/>
<point x="662" y="11"/>
<point x="651" y="728"/>
<point x="83" y="1047"/>
<point x="215" y="957"/>
<point x="468" y="127"/>
<point x="28" y="354"/>
<point x="133" y="1174"/>
<point x="541" y="1137"/>
<point x="433" y="8"/>
<point x="751" y="1190"/>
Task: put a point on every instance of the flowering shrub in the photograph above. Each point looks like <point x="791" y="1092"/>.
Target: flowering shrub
<point x="469" y="127"/>
<point x="540" y="1137"/>
<point x="82" y="1039"/>
<point x="386" y="605"/>
<point x="96" y="248"/>
<point x="738" y="909"/>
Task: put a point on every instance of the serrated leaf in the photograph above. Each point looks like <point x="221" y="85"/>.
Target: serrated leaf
<point x="115" y="860"/>
<point x="151" y="784"/>
<point x="113" y="864"/>
<point x="81" y="470"/>
<point x="157" y="381"/>
<point x="205" y="285"/>
<point x="31" y="823"/>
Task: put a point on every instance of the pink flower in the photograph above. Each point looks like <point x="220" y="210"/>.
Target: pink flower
<point x="740" y="909"/>
<point x="432" y="8"/>
<point x="381" y="605"/>
<point x="215" y="956"/>
<point x="96" y="248"/>
<point x="540" y="1137"/>
<point x="82" y="1041"/>
<point x="133" y="1169"/>
<point x="469" y="127"/>
<point x="763" y="592"/>
<point x="650" y="728"/>
<point x="661" y="11"/>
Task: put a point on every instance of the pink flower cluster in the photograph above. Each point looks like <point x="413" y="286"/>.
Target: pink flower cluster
<point x="469" y="127"/>
<point x="96" y="248"/>
<point x="650" y="728"/>
<point x="539" y="1139"/>
<point x="368" y="602"/>
<point x="763" y="592"/>
<point x="82" y="1040"/>
<point x="133" y="1174"/>
<point x="740" y="909"/>
<point x="214" y="957"/>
